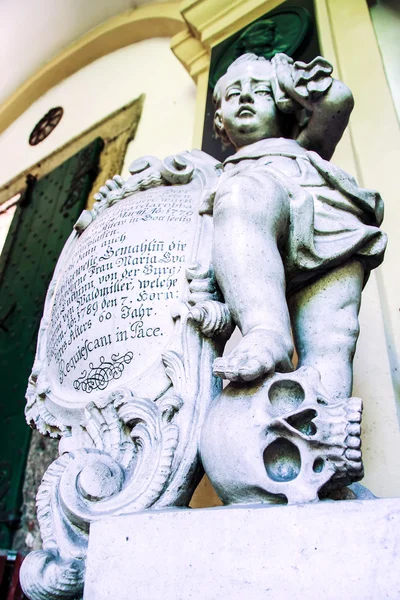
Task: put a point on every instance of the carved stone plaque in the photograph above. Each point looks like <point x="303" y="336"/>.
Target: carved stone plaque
<point x="112" y="304"/>
<point x="123" y="371"/>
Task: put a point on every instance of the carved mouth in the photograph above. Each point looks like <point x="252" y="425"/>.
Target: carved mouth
<point x="246" y="111"/>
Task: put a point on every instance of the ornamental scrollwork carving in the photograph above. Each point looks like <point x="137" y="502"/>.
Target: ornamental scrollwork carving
<point x="125" y="466"/>
<point x="133" y="447"/>
<point x="146" y="172"/>
<point x="98" y="377"/>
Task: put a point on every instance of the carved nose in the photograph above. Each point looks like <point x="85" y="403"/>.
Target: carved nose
<point x="246" y="97"/>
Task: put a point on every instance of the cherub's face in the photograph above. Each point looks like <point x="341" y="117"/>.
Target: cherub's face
<point x="248" y="112"/>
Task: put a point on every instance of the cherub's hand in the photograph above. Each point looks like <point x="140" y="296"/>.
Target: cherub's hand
<point x="208" y="310"/>
<point x="283" y="69"/>
<point x="303" y="83"/>
<point x="202" y="284"/>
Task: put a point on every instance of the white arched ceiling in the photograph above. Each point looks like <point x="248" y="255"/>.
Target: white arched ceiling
<point x="34" y="31"/>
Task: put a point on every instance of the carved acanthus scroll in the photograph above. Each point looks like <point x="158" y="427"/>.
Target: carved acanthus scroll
<point x="135" y="446"/>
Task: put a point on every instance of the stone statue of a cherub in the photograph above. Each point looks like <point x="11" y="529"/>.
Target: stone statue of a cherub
<point x="294" y="241"/>
<point x="294" y="237"/>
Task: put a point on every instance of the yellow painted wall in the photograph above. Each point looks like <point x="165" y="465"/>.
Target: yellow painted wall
<point x="385" y="16"/>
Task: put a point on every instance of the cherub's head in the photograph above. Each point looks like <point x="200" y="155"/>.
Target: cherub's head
<point x="249" y="103"/>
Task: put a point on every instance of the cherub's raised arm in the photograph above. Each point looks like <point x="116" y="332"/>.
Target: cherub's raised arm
<point x="329" y="117"/>
<point x="328" y="102"/>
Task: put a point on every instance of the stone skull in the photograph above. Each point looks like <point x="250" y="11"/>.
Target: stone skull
<point x="281" y="440"/>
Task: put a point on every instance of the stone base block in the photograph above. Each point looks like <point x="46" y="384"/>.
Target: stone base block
<point x="329" y="550"/>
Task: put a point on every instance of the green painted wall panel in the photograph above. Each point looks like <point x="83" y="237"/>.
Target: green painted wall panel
<point x="42" y="223"/>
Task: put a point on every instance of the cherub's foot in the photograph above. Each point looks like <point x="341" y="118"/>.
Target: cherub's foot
<point x="259" y="353"/>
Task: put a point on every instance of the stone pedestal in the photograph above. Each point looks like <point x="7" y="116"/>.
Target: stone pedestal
<point x="330" y="550"/>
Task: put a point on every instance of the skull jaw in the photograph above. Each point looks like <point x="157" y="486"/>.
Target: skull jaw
<point x="281" y="440"/>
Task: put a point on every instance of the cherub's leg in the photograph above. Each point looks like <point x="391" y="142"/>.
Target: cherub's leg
<point x="325" y="326"/>
<point x="251" y="215"/>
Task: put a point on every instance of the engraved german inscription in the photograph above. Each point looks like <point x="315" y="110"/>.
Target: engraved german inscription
<point x="111" y="311"/>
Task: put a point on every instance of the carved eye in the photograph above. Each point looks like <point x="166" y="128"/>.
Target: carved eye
<point x="262" y="91"/>
<point x="232" y="93"/>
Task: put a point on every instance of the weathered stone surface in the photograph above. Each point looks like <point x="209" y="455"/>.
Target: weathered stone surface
<point x="294" y="241"/>
<point x="327" y="550"/>
<point x="123" y="369"/>
<point x="286" y="440"/>
<point x="276" y="241"/>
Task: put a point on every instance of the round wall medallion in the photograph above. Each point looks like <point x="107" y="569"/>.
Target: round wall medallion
<point x="281" y="30"/>
<point x="46" y="125"/>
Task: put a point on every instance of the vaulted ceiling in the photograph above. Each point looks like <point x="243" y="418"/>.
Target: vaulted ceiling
<point x="34" y="31"/>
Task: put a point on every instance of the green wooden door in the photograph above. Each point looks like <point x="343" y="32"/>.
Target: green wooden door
<point x="42" y="222"/>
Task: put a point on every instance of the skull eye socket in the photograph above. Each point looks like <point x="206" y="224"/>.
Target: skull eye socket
<point x="318" y="465"/>
<point x="285" y="396"/>
<point x="282" y="460"/>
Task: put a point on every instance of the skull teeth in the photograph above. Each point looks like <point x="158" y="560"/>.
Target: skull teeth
<point x="354" y="429"/>
<point x="354" y="417"/>
<point x="356" y="466"/>
<point x="353" y="441"/>
<point x="353" y="454"/>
